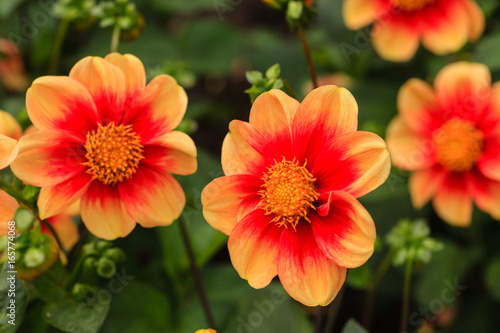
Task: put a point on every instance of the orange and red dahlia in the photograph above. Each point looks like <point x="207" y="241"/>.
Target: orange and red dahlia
<point x="10" y="132"/>
<point x="288" y="200"/>
<point x="450" y="137"/>
<point x="106" y="137"/>
<point x="443" y="26"/>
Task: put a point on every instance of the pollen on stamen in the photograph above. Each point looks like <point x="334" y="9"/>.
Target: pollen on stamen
<point x="288" y="192"/>
<point x="113" y="153"/>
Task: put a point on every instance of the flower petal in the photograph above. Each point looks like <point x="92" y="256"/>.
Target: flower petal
<point x="347" y="234"/>
<point x="464" y="89"/>
<point x="158" y="110"/>
<point x="55" y="199"/>
<point x="395" y="39"/>
<point x="153" y="197"/>
<point x="106" y="83"/>
<point x="305" y="271"/>
<point x="325" y="112"/>
<point x="453" y="202"/>
<point x="253" y="247"/>
<point x="8" y="208"/>
<point x="447" y="28"/>
<point x="132" y="67"/>
<point x="103" y="212"/>
<point x="415" y="101"/>
<point x="356" y="162"/>
<point x="49" y="157"/>
<point x="66" y="230"/>
<point x="409" y="150"/>
<point x="175" y="153"/>
<point x="272" y="115"/>
<point x="486" y="193"/>
<point x="476" y="19"/>
<point x="8" y="151"/>
<point x="222" y="197"/>
<point x="9" y="126"/>
<point x="359" y="13"/>
<point x="58" y="102"/>
<point x="423" y="184"/>
<point x="489" y="163"/>
<point x="245" y="151"/>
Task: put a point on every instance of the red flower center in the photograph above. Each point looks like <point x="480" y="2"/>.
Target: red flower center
<point x="113" y="153"/>
<point x="410" y="5"/>
<point x="288" y="192"/>
<point x="458" y="145"/>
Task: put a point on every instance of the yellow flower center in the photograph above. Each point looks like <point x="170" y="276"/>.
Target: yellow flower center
<point x="458" y="145"/>
<point x="113" y="153"/>
<point x="410" y="5"/>
<point x="288" y="192"/>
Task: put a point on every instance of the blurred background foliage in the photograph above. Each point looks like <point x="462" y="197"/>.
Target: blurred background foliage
<point x="208" y="45"/>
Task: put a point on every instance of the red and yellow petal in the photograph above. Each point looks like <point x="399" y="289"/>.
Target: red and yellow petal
<point x="153" y="197"/>
<point x="106" y="83"/>
<point x="486" y="193"/>
<point x="305" y="271"/>
<point x="8" y="208"/>
<point x="66" y="230"/>
<point x="57" y="102"/>
<point x="325" y="112"/>
<point x="447" y="27"/>
<point x="132" y="67"/>
<point x="9" y="149"/>
<point x="476" y="19"/>
<point x="272" y="115"/>
<point x="253" y="246"/>
<point x="347" y="234"/>
<point x="9" y="126"/>
<point x="395" y="39"/>
<point x="489" y="162"/>
<point x="222" y="197"/>
<point x="359" y="13"/>
<point x="356" y="162"/>
<point x="453" y="200"/>
<point x="423" y="184"/>
<point x="174" y="152"/>
<point x="158" y="110"/>
<point x="245" y="151"/>
<point x="57" y="198"/>
<point x="416" y="100"/>
<point x="49" y="157"/>
<point x="409" y="150"/>
<point x="104" y="213"/>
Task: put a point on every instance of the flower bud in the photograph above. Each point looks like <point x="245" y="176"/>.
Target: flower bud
<point x="115" y="254"/>
<point x="24" y="219"/>
<point x="34" y="257"/>
<point x="106" y="268"/>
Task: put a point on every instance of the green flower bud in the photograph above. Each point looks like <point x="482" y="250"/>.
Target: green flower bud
<point x="24" y="219"/>
<point x="3" y="243"/>
<point x="80" y="291"/>
<point x="106" y="268"/>
<point x="115" y="254"/>
<point x="102" y="245"/>
<point x="34" y="257"/>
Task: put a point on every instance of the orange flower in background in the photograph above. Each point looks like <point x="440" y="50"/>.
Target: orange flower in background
<point x="12" y="72"/>
<point x="450" y="137"/>
<point x="107" y="138"/>
<point x="288" y="200"/>
<point x="10" y="132"/>
<point x="443" y="26"/>
<point x="8" y="208"/>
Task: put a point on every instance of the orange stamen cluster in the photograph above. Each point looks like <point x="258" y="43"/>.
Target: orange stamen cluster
<point x="288" y="192"/>
<point x="458" y="145"/>
<point x="113" y="153"/>
<point x="410" y="5"/>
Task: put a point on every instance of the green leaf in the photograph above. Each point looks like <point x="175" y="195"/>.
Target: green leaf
<point x="86" y="316"/>
<point x="492" y="278"/>
<point x="273" y="72"/>
<point x="352" y="326"/>
<point x="487" y="51"/>
<point x="12" y="300"/>
<point x="253" y="77"/>
<point x="360" y="277"/>
<point x="145" y="310"/>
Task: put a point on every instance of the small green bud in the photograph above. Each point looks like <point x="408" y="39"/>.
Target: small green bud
<point x="80" y="291"/>
<point x="294" y="10"/>
<point x="254" y="77"/>
<point x="3" y="243"/>
<point x="106" y="268"/>
<point x="24" y="219"/>
<point x="273" y="72"/>
<point x="115" y="254"/>
<point x="102" y="245"/>
<point x="34" y="257"/>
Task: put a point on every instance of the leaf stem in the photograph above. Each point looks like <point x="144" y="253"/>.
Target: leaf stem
<point x="307" y="51"/>
<point x="196" y="274"/>
<point x="56" y="51"/>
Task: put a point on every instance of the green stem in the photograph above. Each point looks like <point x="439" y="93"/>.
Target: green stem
<point x="56" y="51"/>
<point x="372" y="287"/>
<point x="405" y="308"/>
<point x="307" y="51"/>
<point x="334" y="310"/>
<point x="196" y="274"/>
<point x="115" y="38"/>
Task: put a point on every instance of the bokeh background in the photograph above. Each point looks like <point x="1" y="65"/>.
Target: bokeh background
<point x="208" y="45"/>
